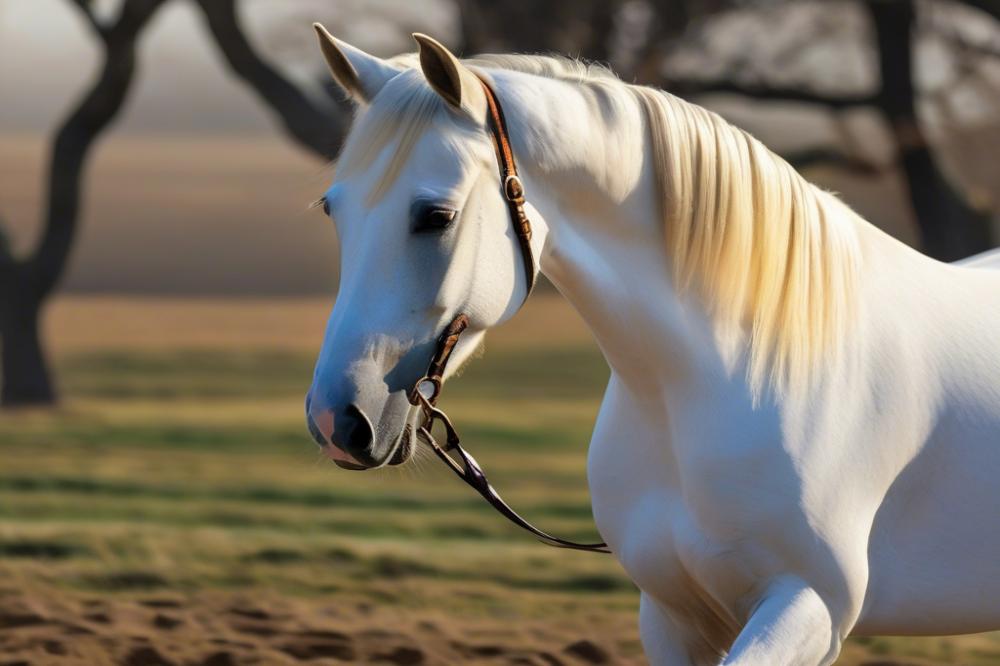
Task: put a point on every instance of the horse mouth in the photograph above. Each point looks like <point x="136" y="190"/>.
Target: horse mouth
<point x="343" y="464"/>
<point x="405" y="447"/>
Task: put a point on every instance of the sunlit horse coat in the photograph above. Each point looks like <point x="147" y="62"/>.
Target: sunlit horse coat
<point x="800" y="439"/>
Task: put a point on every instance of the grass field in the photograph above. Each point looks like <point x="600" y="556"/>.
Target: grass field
<point x="174" y="511"/>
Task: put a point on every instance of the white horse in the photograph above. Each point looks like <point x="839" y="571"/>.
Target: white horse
<point x="800" y="439"/>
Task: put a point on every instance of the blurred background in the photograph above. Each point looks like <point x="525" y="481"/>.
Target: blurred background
<point x="164" y="286"/>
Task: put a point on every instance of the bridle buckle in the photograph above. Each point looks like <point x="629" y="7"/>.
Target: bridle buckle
<point x="513" y="188"/>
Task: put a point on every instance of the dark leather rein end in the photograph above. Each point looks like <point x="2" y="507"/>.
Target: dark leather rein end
<point x="428" y="388"/>
<point x="472" y="473"/>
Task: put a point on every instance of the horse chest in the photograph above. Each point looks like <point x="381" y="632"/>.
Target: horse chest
<point x="664" y="550"/>
<point x="655" y="540"/>
<point x="681" y="529"/>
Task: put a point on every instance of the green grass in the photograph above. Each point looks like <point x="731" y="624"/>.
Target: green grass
<point x="200" y="463"/>
<point x="191" y="472"/>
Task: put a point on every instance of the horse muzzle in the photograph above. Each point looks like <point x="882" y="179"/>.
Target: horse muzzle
<point x="347" y="437"/>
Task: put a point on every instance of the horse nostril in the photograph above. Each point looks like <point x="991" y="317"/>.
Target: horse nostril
<point x="358" y="433"/>
<point x="345" y="435"/>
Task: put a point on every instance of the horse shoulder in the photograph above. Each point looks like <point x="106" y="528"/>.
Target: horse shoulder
<point x="989" y="259"/>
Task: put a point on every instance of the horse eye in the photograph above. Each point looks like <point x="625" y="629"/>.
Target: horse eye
<point x="326" y="207"/>
<point x="433" y="219"/>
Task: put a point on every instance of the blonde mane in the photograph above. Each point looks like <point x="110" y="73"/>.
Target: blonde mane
<point x="774" y="257"/>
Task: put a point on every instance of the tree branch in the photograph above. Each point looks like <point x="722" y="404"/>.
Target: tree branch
<point x="321" y="130"/>
<point x="698" y="87"/>
<point x="71" y="146"/>
<point x="813" y="157"/>
<point x="967" y="48"/>
<point x="991" y="7"/>
<point x="90" y="17"/>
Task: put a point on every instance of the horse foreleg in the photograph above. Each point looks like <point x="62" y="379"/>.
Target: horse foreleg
<point x="669" y="643"/>
<point x="791" y="626"/>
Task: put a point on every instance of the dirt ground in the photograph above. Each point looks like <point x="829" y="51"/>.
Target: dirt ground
<point x="220" y="630"/>
<point x="212" y="629"/>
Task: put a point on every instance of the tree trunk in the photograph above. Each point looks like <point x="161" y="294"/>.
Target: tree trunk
<point x="950" y="227"/>
<point x="25" y="375"/>
<point x="26" y="283"/>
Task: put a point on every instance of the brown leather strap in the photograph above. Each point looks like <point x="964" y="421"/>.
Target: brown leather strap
<point x="424" y="395"/>
<point x="428" y="388"/>
<point x="430" y="384"/>
<point x="510" y="183"/>
<point x="472" y="473"/>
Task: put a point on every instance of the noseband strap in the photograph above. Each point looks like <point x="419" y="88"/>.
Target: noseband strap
<point x="427" y="390"/>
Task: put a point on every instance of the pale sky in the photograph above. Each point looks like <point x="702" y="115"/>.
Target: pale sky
<point x="47" y="58"/>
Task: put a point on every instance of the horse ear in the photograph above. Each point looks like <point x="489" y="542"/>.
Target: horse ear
<point x="449" y="77"/>
<point x="360" y="74"/>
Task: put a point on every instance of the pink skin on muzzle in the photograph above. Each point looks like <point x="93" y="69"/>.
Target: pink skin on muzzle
<point x="324" y="422"/>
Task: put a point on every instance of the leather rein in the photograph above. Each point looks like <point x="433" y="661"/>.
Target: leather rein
<point x="427" y="389"/>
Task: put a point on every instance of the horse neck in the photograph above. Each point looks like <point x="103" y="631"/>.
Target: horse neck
<point x="586" y="172"/>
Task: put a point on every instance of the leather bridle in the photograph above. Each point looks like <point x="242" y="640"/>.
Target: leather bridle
<point x="427" y="389"/>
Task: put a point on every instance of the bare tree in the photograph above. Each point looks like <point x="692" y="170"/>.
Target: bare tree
<point x="26" y="282"/>
<point x="580" y="29"/>
<point x="586" y="29"/>
<point x="950" y="227"/>
<point x="316" y="126"/>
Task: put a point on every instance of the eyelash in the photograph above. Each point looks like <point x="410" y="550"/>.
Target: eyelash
<point x="322" y="203"/>
<point x="426" y="219"/>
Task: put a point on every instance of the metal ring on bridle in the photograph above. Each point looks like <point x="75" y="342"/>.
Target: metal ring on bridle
<point x="416" y="393"/>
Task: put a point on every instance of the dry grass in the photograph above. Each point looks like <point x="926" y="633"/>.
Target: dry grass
<point x="110" y="323"/>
